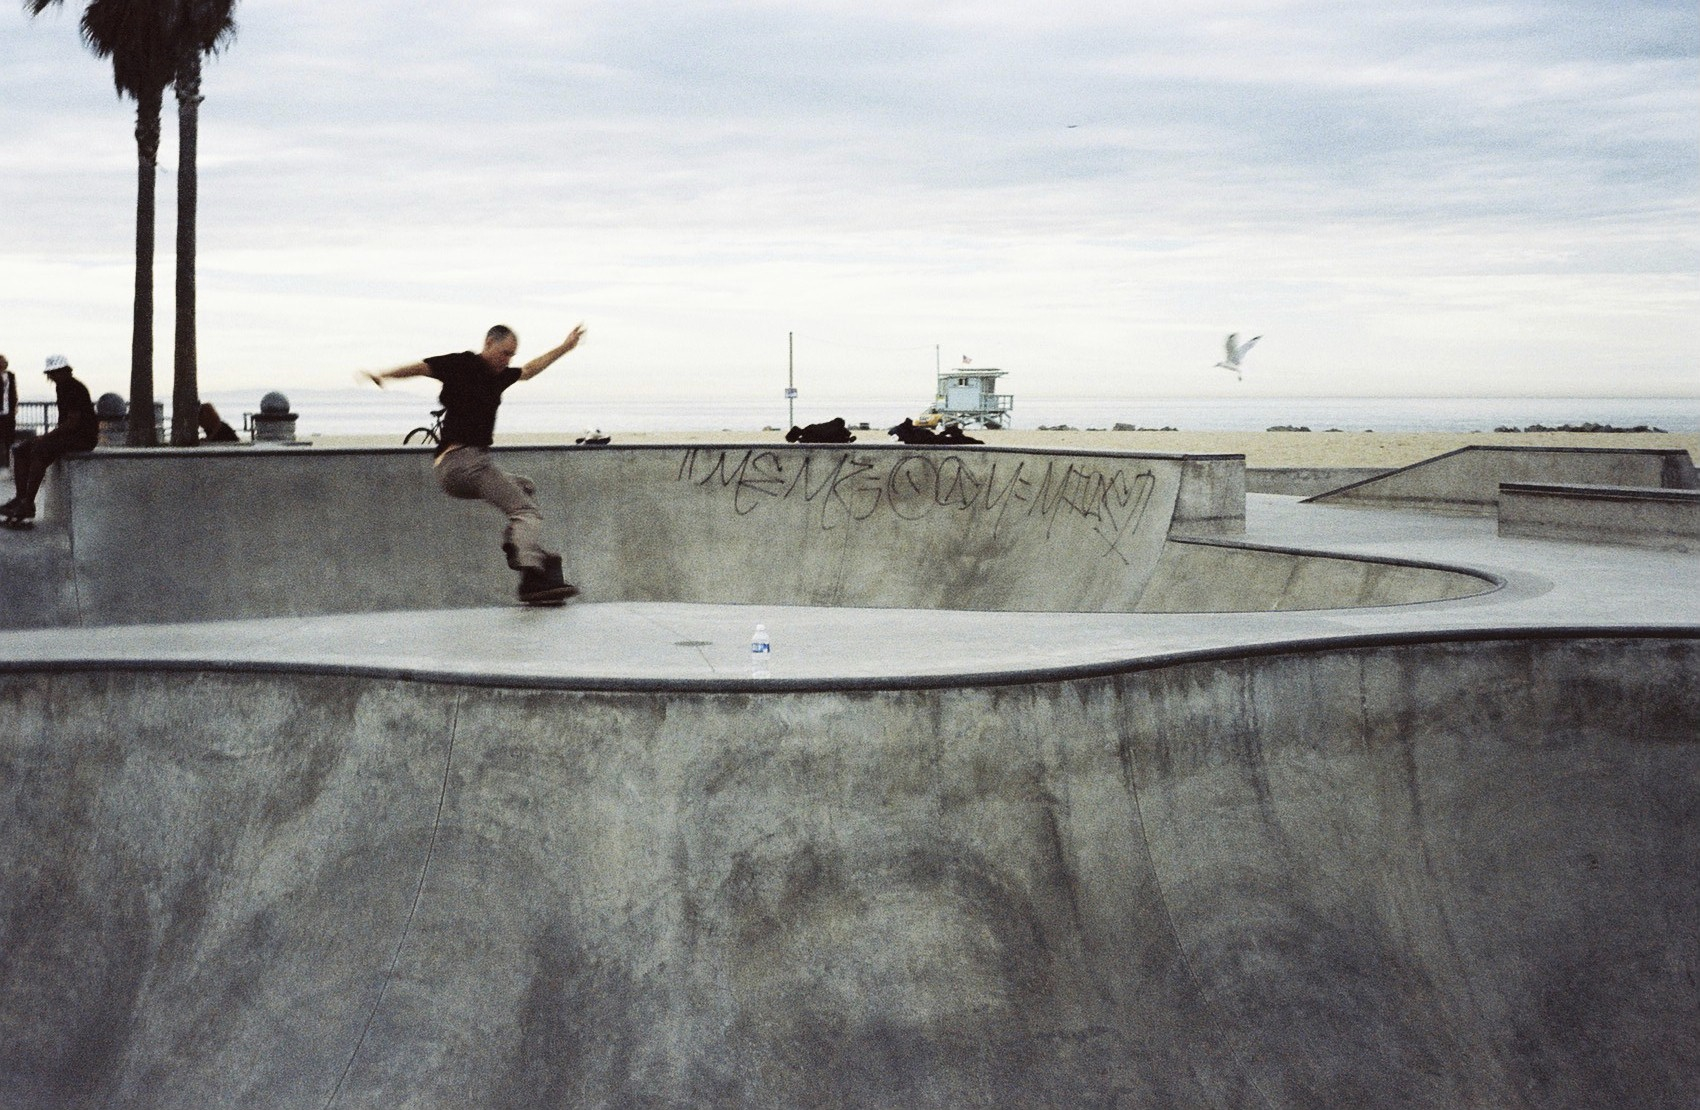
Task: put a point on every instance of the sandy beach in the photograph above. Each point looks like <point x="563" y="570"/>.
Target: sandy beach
<point x="1261" y="449"/>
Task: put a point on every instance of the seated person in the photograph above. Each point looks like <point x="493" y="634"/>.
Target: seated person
<point x="953" y="433"/>
<point x="828" y="431"/>
<point x="77" y="430"/>
<point x="909" y="432"/>
<point x="214" y="430"/>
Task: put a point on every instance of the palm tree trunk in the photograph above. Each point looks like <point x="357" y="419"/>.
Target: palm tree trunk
<point x="141" y="425"/>
<point x="185" y="391"/>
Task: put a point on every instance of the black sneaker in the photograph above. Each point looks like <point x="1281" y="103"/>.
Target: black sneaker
<point x="537" y="588"/>
<point x="552" y="571"/>
<point x="17" y="511"/>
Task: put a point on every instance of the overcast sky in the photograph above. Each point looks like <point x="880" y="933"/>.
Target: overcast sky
<point x="1451" y="198"/>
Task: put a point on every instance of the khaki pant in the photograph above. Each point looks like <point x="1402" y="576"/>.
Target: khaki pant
<point x="471" y="474"/>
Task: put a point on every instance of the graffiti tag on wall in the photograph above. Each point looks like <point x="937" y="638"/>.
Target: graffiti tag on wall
<point x="846" y="487"/>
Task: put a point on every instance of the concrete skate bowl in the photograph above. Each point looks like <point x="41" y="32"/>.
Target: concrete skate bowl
<point x="154" y="537"/>
<point x="1412" y="872"/>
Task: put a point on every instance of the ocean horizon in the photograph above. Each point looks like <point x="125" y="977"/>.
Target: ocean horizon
<point x="371" y="413"/>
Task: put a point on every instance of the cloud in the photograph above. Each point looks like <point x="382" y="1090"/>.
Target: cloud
<point x="1093" y="193"/>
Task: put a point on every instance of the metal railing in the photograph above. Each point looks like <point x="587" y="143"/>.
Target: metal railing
<point x="40" y="417"/>
<point x="37" y="415"/>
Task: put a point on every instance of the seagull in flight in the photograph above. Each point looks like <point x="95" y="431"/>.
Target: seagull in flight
<point x="1236" y="351"/>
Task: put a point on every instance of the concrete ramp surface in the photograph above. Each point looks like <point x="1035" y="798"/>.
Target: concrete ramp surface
<point x="1422" y="874"/>
<point x="1466" y="481"/>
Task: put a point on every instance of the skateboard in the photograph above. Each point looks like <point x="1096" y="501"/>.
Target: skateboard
<point x="15" y="524"/>
<point x="550" y="598"/>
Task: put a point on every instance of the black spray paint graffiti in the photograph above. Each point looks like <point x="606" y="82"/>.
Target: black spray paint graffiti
<point x="842" y="487"/>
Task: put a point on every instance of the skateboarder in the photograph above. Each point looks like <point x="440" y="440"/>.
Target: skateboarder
<point x="472" y="389"/>
<point x="77" y="430"/>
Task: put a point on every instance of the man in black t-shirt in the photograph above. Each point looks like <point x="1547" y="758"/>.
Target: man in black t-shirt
<point x="77" y="430"/>
<point x="472" y="390"/>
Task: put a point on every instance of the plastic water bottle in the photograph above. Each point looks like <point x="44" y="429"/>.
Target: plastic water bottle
<point x="760" y="652"/>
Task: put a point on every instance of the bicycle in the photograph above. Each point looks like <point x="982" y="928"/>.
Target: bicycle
<point x="432" y="435"/>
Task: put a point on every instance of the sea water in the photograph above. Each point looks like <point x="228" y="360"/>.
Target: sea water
<point x="393" y="412"/>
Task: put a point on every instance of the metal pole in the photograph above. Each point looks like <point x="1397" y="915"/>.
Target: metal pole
<point x="791" y="378"/>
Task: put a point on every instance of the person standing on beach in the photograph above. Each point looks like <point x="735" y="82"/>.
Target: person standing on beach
<point x="472" y="390"/>
<point x="77" y="430"/>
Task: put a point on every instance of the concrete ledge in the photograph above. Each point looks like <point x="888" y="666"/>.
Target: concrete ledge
<point x="1223" y="576"/>
<point x="1601" y="493"/>
<point x="1466" y="482"/>
<point x="1636" y="516"/>
<point x="1211" y="500"/>
<point x="1306" y="481"/>
<point x="149" y="536"/>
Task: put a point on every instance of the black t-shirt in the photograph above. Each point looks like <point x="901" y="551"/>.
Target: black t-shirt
<point x="471" y="394"/>
<point x="76" y="410"/>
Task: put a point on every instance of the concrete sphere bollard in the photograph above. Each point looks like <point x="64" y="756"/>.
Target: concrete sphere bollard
<point x="111" y="414"/>
<point x="274" y="423"/>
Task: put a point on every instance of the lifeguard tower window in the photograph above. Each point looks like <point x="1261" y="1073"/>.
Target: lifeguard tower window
<point x="970" y="397"/>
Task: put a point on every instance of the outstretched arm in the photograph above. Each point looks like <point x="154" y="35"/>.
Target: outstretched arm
<point x="411" y="370"/>
<point x="543" y="361"/>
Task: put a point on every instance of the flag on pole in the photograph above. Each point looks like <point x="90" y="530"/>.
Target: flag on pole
<point x="966" y="361"/>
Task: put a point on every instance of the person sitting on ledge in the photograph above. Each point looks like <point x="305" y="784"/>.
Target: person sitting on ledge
<point x="214" y="430"/>
<point x="77" y="430"/>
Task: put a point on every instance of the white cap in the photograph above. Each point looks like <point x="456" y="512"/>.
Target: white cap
<point x="57" y="362"/>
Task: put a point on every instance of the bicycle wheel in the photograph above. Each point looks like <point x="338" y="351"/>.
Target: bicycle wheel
<point x="422" y="435"/>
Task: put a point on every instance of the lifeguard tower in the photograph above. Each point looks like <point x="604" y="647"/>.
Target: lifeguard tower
<point x="970" y="397"/>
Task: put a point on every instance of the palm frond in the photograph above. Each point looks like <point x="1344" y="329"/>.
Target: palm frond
<point x="135" y="35"/>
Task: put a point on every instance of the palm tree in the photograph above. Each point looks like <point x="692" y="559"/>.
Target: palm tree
<point x="136" y="36"/>
<point x="202" y="27"/>
<point x="152" y="44"/>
